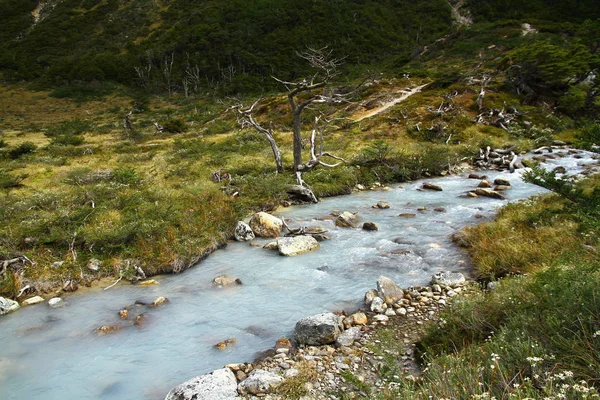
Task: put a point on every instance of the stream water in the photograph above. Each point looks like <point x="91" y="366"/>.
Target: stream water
<point x="52" y="354"/>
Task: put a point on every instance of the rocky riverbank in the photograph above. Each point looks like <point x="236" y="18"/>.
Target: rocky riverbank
<point x="337" y="355"/>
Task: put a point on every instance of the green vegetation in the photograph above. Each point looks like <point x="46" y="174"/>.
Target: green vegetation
<point x="533" y="336"/>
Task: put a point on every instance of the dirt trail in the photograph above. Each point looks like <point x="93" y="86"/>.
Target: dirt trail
<point x="377" y="110"/>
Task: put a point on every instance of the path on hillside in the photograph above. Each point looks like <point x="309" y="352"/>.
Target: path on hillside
<point x="378" y="110"/>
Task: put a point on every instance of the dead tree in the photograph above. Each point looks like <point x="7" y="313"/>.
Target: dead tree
<point x="127" y="125"/>
<point x="247" y="119"/>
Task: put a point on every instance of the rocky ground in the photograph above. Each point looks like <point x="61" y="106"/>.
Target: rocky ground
<point x="336" y="355"/>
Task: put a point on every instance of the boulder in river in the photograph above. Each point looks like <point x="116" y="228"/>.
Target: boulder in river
<point x="7" y="305"/>
<point x="489" y="193"/>
<point x="243" y="232"/>
<point x="226" y="280"/>
<point x="370" y="295"/>
<point x="106" y="329"/>
<point x="56" y="302"/>
<point x="389" y="290"/>
<point x="447" y="278"/>
<point x="431" y="186"/>
<point x="318" y="329"/>
<point x="266" y="225"/>
<point x="346" y="220"/>
<point x="226" y="343"/>
<point x="159" y="301"/>
<point x="377" y="305"/>
<point x="296" y="245"/>
<point x="484" y="184"/>
<point x="260" y="382"/>
<point x="501" y="188"/>
<point x="33" y="300"/>
<point x="216" y="385"/>
<point x="382" y="205"/>
<point x="501" y="181"/>
<point x="475" y="176"/>
<point x="370" y="226"/>
<point x="407" y="215"/>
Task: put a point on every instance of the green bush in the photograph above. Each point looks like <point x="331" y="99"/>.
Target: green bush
<point x="174" y="125"/>
<point x="21" y="150"/>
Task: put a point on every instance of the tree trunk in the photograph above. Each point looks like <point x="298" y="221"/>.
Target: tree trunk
<point x="297" y="130"/>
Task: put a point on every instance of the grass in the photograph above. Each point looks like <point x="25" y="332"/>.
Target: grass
<point x="532" y="336"/>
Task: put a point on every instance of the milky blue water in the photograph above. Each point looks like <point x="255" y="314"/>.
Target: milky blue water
<point x="55" y="354"/>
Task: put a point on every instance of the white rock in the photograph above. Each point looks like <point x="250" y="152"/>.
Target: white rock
<point x="260" y="381"/>
<point x="370" y="295"/>
<point x="381" y="318"/>
<point x="447" y="278"/>
<point x="390" y="312"/>
<point x="388" y="290"/>
<point x="217" y="385"/>
<point x="56" y="302"/>
<point x="296" y="245"/>
<point x="33" y="300"/>
<point x="346" y="220"/>
<point x="7" y="305"/>
<point x="348" y="337"/>
<point x="243" y="232"/>
<point x="225" y="280"/>
<point x="377" y="305"/>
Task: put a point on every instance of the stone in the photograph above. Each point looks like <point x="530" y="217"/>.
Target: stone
<point x="226" y="343"/>
<point x="318" y="329"/>
<point x="439" y="209"/>
<point x="32" y="300"/>
<point x="270" y="246"/>
<point x="220" y="384"/>
<point x="226" y="280"/>
<point x="56" y="302"/>
<point x="296" y="245"/>
<point x="106" y="329"/>
<point x="124" y="313"/>
<point x="320" y="237"/>
<point x="8" y="305"/>
<point x="266" y="225"/>
<point x="94" y="264"/>
<point x="346" y="220"/>
<point x="484" y="184"/>
<point x="431" y="186"/>
<point x="370" y="295"/>
<point x="382" y="205"/>
<point x="370" y="226"/>
<point x="260" y="382"/>
<point x="388" y="289"/>
<point x="348" y="337"/>
<point x="159" y="302"/>
<point x="501" y="181"/>
<point x="243" y="232"/>
<point x="560" y="170"/>
<point x="381" y="318"/>
<point x="489" y="193"/>
<point x="377" y="305"/>
<point x="301" y="193"/>
<point x="447" y="278"/>
<point x="501" y="188"/>
<point x="358" y="318"/>
<point x="475" y="176"/>
<point x="407" y="215"/>
<point x="148" y="282"/>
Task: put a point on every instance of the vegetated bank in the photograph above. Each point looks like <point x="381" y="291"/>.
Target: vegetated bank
<point x="79" y="188"/>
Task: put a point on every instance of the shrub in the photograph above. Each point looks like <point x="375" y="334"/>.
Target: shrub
<point x="21" y="150"/>
<point x="174" y="125"/>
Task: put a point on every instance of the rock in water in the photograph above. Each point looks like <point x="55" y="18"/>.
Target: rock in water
<point x="382" y="205"/>
<point x="243" y="232"/>
<point x="296" y="245"/>
<point x="7" y="305"/>
<point x="346" y="220"/>
<point x="266" y="225"/>
<point x="484" y="184"/>
<point x="370" y="226"/>
<point x="226" y="280"/>
<point x="260" y="382"/>
<point x="388" y="289"/>
<point x="318" y="329"/>
<point x="56" y="302"/>
<point x="159" y="301"/>
<point x="217" y="385"/>
<point x="431" y="186"/>
<point x="370" y="295"/>
<point x="447" y="278"/>
<point x="33" y="300"/>
<point x="489" y="193"/>
<point x="501" y="181"/>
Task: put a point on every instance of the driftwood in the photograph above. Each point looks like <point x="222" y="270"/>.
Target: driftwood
<point x="10" y="262"/>
<point x="501" y="158"/>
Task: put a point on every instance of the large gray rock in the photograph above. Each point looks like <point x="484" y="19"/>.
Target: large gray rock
<point x="7" y="305"/>
<point x="447" y="278"/>
<point x="388" y="290"/>
<point x="346" y="220"/>
<point x="296" y="245"/>
<point x="318" y="329"/>
<point x="266" y="225"/>
<point x="33" y="300"/>
<point x="260" y="381"/>
<point x="431" y="186"/>
<point x="243" y="232"/>
<point x="217" y="385"/>
<point x="348" y="337"/>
